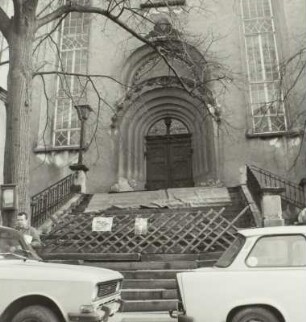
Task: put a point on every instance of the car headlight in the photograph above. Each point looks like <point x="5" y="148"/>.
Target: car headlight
<point x="87" y="309"/>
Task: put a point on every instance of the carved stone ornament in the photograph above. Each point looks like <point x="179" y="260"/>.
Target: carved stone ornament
<point x="147" y="85"/>
<point x="163" y="29"/>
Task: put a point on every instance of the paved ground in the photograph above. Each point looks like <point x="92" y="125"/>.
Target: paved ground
<point x="141" y="317"/>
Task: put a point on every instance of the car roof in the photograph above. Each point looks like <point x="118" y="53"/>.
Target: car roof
<point x="7" y="228"/>
<point x="277" y="230"/>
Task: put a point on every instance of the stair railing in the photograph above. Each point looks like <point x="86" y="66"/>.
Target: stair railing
<point x="46" y="202"/>
<point x="258" y="179"/>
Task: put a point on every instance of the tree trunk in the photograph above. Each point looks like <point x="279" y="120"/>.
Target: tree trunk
<point x="17" y="145"/>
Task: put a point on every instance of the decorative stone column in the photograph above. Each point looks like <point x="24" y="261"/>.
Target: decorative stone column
<point x="271" y="206"/>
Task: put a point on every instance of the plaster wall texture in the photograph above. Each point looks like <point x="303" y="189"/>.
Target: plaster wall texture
<point x="7" y="6"/>
<point x="109" y="52"/>
<point x="2" y="138"/>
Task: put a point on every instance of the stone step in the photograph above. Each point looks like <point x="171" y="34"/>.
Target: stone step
<point x="148" y="305"/>
<point x="179" y="257"/>
<point x="148" y="294"/>
<point x="116" y="257"/>
<point x="210" y="256"/>
<point x="174" y="197"/>
<point x="152" y="274"/>
<point x="206" y="263"/>
<point x="145" y="265"/>
<point x="149" y="284"/>
<point x="169" y="257"/>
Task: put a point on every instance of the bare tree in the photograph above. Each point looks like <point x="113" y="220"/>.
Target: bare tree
<point x="33" y="24"/>
<point x="23" y="33"/>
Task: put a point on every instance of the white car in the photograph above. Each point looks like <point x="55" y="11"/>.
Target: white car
<point x="34" y="291"/>
<point x="260" y="278"/>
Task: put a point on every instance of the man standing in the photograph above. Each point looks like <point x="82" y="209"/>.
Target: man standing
<point x="30" y="234"/>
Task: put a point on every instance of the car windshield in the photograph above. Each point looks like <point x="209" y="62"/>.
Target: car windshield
<point x="230" y="254"/>
<point x="13" y="246"/>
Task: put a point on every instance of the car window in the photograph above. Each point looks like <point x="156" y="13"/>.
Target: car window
<point x="278" y="251"/>
<point x="8" y="241"/>
<point x="230" y="254"/>
<point x="12" y="246"/>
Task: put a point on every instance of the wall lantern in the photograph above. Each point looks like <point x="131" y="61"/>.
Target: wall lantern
<point x="8" y="197"/>
<point x="83" y="114"/>
<point x="83" y="111"/>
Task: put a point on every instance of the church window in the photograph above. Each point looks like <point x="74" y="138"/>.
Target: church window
<point x="168" y="126"/>
<point x="71" y="91"/>
<point x="267" y="107"/>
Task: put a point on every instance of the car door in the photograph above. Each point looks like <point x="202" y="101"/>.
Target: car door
<point x="278" y="265"/>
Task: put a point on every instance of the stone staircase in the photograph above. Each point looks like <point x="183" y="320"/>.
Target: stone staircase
<point x="149" y="276"/>
<point x="169" y="198"/>
<point x="150" y="284"/>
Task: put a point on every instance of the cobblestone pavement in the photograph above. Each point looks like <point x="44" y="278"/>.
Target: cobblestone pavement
<point x="141" y="317"/>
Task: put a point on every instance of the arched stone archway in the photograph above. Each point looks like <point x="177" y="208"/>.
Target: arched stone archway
<point x="161" y="88"/>
<point x="142" y="109"/>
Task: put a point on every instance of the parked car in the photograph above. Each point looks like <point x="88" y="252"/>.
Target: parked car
<point x="37" y="291"/>
<point x="260" y="278"/>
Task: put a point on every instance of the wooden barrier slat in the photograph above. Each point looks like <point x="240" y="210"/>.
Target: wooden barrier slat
<point x="171" y="232"/>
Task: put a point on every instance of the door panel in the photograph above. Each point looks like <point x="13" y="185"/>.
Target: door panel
<point x="180" y="163"/>
<point x="169" y="162"/>
<point x="157" y="165"/>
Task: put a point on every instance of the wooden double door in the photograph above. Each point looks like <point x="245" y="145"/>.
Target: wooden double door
<point x="169" y="161"/>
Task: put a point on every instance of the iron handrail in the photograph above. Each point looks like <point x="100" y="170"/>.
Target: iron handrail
<point x="261" y="178"/>
<point x="46" y="202"/>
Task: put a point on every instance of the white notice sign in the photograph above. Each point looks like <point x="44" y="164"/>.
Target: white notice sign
<point x="102" y="224"/>
<point x="28" y="238"/>
<point x="141" y="226"/>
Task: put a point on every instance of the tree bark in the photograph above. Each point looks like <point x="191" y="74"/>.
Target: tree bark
<point x="17" y="145"/>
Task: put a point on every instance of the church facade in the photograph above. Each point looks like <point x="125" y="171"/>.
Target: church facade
<point x="205" y="94"/>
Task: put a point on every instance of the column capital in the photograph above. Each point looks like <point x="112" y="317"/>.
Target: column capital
<point x="272" y="190"/>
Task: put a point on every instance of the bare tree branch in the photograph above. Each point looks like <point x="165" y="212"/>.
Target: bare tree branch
<point x="4" y="23"/>
<point x="297" y="54"/>
<point x="54" y="72"/>
<point x="58" y="13"/>
<point x="51" y="32"/>
<point x="296" y="80"/>
<point x="65" y="9"/>
<point x="4" y="62"/>
<point x="48" y="5"/>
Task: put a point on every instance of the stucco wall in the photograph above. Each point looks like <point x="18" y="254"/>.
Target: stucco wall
<point x="3" y="80"/>
<point x="109" y="52"/>
<point x="2" y="137"/>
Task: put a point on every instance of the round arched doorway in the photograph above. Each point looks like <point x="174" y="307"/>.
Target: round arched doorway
<point x="168" y="155"/>
<point x="143" y="119"/>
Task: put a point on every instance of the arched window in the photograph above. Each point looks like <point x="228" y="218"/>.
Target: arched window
<point x="73" y="47"/>
<point x="168" y="126"/>
<point x="266" y="101"/>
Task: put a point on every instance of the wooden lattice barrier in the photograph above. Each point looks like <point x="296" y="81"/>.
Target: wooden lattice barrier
<point x="168" y="232"/>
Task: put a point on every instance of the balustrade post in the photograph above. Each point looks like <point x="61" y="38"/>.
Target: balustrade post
<point x="80" y="181"/>
<point x="271" y="205"/>
<point x="243" y="175"/>
<point x="303" y="185"/>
